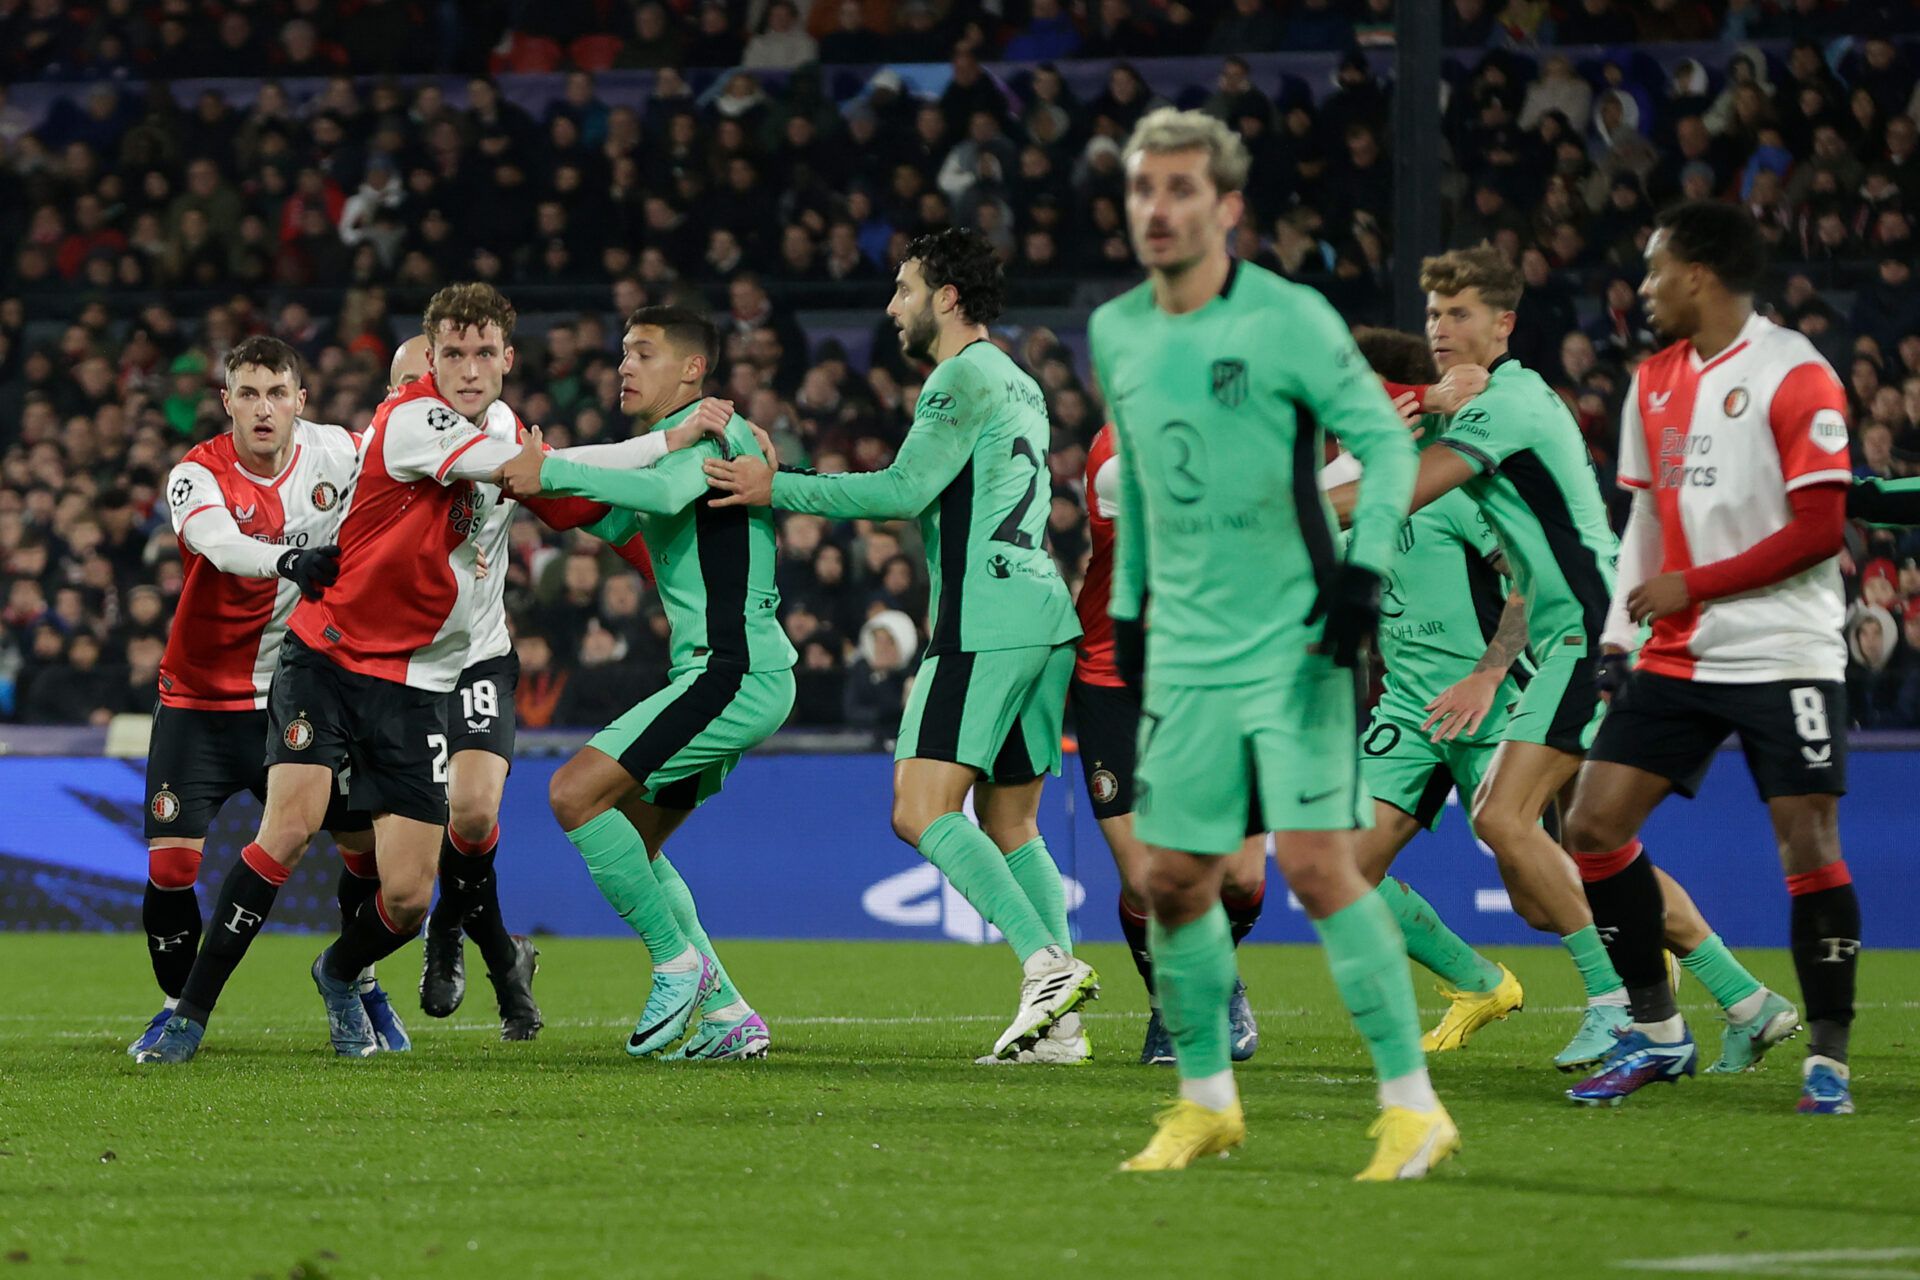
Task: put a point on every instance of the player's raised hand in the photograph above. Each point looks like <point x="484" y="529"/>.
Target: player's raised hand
<point x="1462" y="383"/>
<point x="521" y="476"/>
<point x="1462" y="706"/>
<point x="1350" y="603"/>
<point x="747" y="481"/>
<point x="709" y="419"/>
<point x="480" y="564"/>
<point x="765" y="441"/>
<point x="313" y="570"/>
<point x="1658" y="596"/>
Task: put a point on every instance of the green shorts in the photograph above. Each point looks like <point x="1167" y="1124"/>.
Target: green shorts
<point x="1210" y="754"/>
<point x="998" y="710"/>
<point x="1405" y="768"/>
<point x="1561" y="707"/>
<point x="681" y="743"/>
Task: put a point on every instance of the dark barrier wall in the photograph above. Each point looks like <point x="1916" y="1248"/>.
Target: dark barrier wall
<point x="799" y="847"/>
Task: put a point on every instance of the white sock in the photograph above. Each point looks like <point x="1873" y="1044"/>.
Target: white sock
<point x="1665" y="1032"/>
<point x="686" y="962"/>
<point x="1748" y="1007"/>
<point x="1216" y="1092"/>
<point x="1616" y="998"/>
<point x="1413" y="1091"/>
<point x="170" y="1003"/>
<point x="1045" y="959"/>
<point x="1820" y="1060"/>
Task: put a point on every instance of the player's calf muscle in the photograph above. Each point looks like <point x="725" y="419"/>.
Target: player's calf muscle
<point x="1807" y="831"/>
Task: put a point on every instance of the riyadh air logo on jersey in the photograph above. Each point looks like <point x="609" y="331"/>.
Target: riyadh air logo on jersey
<point x="921" y="898"/>
<point x="324" y="496"/>
<point x="1736" y="402"/>
<point x="1230" y="382"/>
<point x="165" y="806"/>
<point x="441" y="418"/>
<point x="299" y="734"/>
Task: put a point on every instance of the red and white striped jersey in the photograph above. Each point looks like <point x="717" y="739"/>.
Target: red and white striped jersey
<point x="1093" y="658"/>
<point x="403" y="607"/>
<point x="233" y="607"/>
<point x="1720" y="443"/>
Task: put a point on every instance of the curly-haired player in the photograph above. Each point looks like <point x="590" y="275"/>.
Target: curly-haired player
<point x="986" y="707"/>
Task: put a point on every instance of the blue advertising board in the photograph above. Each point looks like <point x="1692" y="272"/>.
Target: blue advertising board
<point x="799" y="847"/>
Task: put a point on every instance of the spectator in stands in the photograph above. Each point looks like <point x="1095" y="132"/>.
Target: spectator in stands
<point x="876" y="680"/>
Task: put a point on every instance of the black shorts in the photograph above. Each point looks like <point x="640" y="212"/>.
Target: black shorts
<point x="1793" y="732"/>
<point x="392" y="736"/>
<point x="198" y="760"/>
<point x="480" y="710"/>
<point x="1106" y="719"/>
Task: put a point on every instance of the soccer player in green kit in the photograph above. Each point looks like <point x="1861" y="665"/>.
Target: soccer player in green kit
<point x="730" y="680"/>
<point x="1220" y="376"/>
<point x="986" y="708"/>
<point x="1517" y="453"/>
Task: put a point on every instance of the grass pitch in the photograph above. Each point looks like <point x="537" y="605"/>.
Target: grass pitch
<point x="870" y="1145"/>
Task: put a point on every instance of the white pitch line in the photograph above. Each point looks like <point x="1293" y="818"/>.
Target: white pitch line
<point x="1826" y="1264"/>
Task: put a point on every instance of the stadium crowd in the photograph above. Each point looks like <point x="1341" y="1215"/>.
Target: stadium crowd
<point x="321" y="210"/>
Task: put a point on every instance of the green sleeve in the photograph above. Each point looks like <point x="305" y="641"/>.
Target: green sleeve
<point x="1887" y="503"/>
<point x="946" y="422"/>
<point x="1477" y="532"/>
<point x="615" y="527"/>
<point x="1129" y="545"/>
<point x="1483" y="436"/>
<point x="667" y="487"/>
<point x="1332" y="379"/>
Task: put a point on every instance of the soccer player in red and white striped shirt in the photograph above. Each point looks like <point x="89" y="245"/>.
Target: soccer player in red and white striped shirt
<point x="1734" y="443"/>
<point x="255" y="510"/>
<point x="364" y="673"/>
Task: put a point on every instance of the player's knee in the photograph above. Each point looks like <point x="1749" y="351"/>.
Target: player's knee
<point x="406" y="904"/>
<point x="912" y="815"/>
<point x="1175" y="896"/>
<point x="573" y="800"/>
<point x="1499" y="826"/>
<point x="1319" y="885"/>
<point x="473" y="817"/>
<point x="1588" y="830"/>
<point x="173" y="867"/>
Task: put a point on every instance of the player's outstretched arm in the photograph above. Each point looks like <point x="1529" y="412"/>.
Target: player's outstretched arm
<point x="201" y="519"/>
<point x="660" y="490"/>
<point x="937" y="447"/>
<point x="1886" y="503"/>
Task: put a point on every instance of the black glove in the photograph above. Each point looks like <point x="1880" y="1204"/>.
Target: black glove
<point x="1350" y="602"/>
<point x="1610" y="673"/>
<point x="311" y="571"/>
<point x="1130" y="652"/>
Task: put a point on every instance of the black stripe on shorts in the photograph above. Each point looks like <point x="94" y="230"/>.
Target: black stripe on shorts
<point x="1575" y="708"/>
<point x="1433" y="796"/>
<point x="681" y="721"/>
<point x="1014" y="763"/>
<point x="946" y="706"/>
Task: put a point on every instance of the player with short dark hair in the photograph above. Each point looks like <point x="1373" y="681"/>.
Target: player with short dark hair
<point x="1734" y="442"/>
<point x="986" y="707"/>
<point x="730" y="684"/>
<point x="363" y="674"/>
<point x="259" y="502"/>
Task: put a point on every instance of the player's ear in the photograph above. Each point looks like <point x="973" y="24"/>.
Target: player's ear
<point x="1503" y="325"/>
<point x="1233" y="207"/>
<point x="506" y="365"/>
<point x="226" y="402"/>
<point x="299" y="400"/>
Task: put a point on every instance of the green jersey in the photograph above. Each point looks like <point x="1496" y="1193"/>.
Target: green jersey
<point x="1440" y="607"/>
<point x="1220" y="414"/>
<point x="973" y="472"/>
<point x="713" y="566"/>
<point x="1538" y="489"/>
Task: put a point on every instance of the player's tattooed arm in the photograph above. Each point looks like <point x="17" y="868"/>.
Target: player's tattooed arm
<point x="1463" y="706"/>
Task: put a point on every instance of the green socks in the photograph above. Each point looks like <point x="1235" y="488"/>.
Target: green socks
<point x="1431" y="944"/>
<point x="1369" y="964"/>
<point x="970" y="859"/>
<point x="680" y="898"/>
<point x="1193" y="973"/>
<point x="1033" y="868"/>
<point x="616" y="858"/>
<point x="1719" y="972"/>
<point x="1590" y="957"/>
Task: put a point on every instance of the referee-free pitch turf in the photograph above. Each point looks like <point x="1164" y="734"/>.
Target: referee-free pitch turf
<point x="869" y="1144"/>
